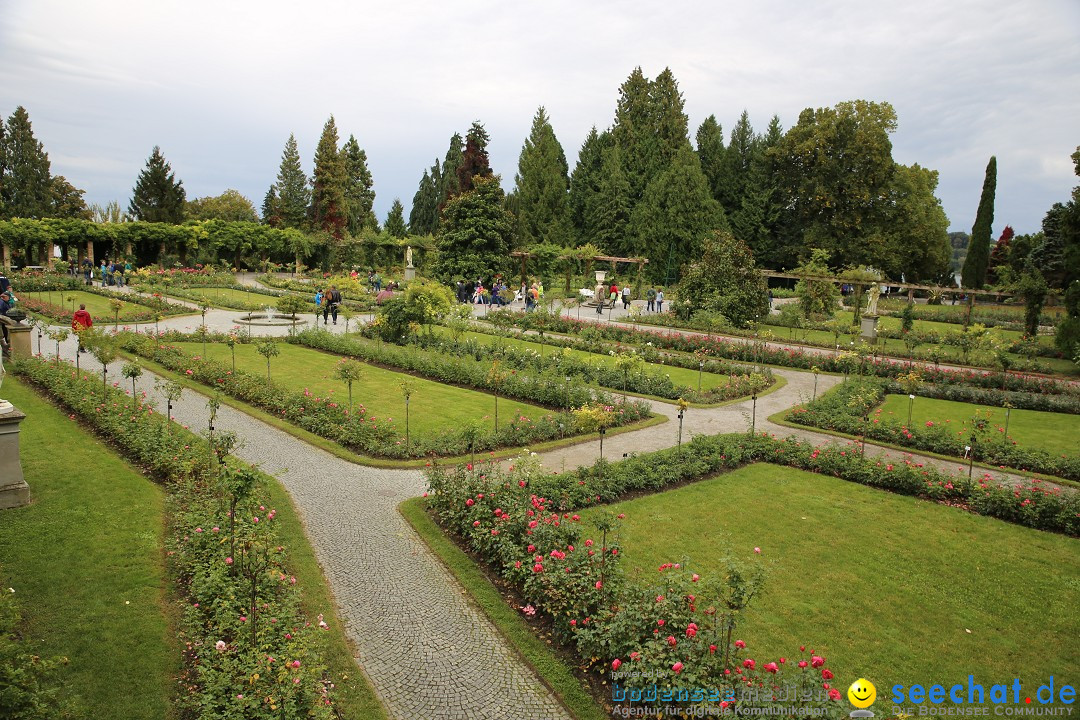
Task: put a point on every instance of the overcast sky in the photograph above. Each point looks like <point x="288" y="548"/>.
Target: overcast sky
<point x="220" y="85"/>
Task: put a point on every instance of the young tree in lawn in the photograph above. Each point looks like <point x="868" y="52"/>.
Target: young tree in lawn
<point x="132" y="371"/>
<point x="407" y="390"/>
<point x="268" y="349"/>
<point x="349" y="371"/>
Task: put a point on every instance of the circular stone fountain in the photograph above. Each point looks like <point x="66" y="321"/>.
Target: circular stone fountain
<point x="270" y="317"/>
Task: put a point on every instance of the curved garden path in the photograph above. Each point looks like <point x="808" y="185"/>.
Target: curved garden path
<point x="427" y="650"/>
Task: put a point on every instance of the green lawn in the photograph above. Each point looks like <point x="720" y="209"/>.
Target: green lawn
<point x="98" y="306"/>
<point x="86" y="562"/>
<point x="231" y="298"/>
<point x="891" y="588"/>
<point x="1053" y="432"/>
<point x="679" y="376"/>
<point x="432" y="407"/>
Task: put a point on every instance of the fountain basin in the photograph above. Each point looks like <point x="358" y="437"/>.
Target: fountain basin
<point x="275" y="320"/>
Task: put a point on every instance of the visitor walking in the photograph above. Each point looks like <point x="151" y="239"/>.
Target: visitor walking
<point x="88" y="270"/>
<point x="600" y="294"/>
<point x="318" y="305"/>
<point x="81" y="322"/>
<point x="331" y="301"/>
<point x="626" y="297"/>
<point x="660" y="300"/>
<point x="650" y="299"/>
<point x="5" y="321"/>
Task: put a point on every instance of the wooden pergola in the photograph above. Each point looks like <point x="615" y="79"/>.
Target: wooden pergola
<point x="910" y="287"/>
<point x="524" y="256"/>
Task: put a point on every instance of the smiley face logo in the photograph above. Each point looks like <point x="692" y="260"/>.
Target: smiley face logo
<point x="862" y="693"/>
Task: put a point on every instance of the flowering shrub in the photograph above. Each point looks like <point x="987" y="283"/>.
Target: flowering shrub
<point x="757" y="352"/>
<point x="249" y="650"/>
<point x="844" y="407"/>
<point x="199" y="276"/>
<point x="356" y="430"/>
<point x="678" y="633"/>
<point x="740" y="383"/>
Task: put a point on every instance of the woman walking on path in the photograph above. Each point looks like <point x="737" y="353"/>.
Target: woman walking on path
<point x="80" y="322"/>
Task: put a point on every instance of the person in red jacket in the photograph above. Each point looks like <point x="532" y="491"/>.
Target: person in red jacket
<point x="81" y="321"/>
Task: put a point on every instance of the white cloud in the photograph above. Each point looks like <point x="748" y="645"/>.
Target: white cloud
<point x="220" y="85"/>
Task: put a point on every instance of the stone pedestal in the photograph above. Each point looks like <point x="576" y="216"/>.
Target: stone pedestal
<point x="410" y="273"/>
<point x="14" y="491"/>
<point x="868" y="328"/>
<point x="20" y="342"/>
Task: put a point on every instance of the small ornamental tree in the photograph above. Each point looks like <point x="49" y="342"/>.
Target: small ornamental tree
<point x="407" y="389"/>
<point x="132" y="371"/>
<point x="58" y="336"/>
<point x="291" y="306"/>
<point x="172" y="391"/>
<point x="104" y="349"/>
<point x="725" y="280"/>
<point x="268" y="349"/>
<point x="349" y="371"/>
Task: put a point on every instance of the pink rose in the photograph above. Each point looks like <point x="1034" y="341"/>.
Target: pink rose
<point x="677" y="667"/>
<point x="616" y="663"/>
<point x="771" y="667"/>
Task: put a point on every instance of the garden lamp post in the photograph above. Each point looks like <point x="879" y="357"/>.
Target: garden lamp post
<point x="407" y="424"/>
<point x="603" y="431"/>
<point x="865" y="427"/>
<point x="753" y="415"/>
<point x="700" y="369"/>
<point x="681" y="413"/>
<point x="1008" y="410"/>
<point x="910" y="403"/>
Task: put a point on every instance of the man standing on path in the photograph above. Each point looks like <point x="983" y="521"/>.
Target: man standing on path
<point x="80" y="322"/>
<point x="600" y="295"/>
<point x="650" y="299"/>
<point x="660" y="300"/>
<point x="330" y="304"/>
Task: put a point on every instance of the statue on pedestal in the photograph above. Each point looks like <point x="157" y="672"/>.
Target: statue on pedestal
<point x="408" y="256"/>
<point x="872" y="297"/>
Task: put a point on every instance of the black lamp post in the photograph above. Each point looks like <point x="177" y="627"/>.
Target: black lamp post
<point x="700" y="368"/>
<point x="680" y="428"/>
<point x="971" y="460"/>
<point x="753" y="415"/>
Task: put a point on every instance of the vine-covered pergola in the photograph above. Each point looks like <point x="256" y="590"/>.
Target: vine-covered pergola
<point x="570" y="257"/>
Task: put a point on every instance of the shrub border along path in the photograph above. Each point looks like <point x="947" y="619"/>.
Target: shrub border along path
<point x="427" y="650"/>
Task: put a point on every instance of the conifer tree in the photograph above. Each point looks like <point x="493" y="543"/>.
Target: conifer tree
<point x="609" y="207"/>
<point x="670" y="223"/>
<point x="25" y="179"/>
<point x="632" y="131"/>
<point x="270" y="213"/>
<point x="329" y="212"/>
<point x="542" y="185"/>
<point x="359" y="197"/>
<point x="395" y="220"/>
<point x="447" y="183"/>
<point x="158" y="196"/>
<point x="710" y="150"/>
<point x="585" y="182"/>
<point x="474" y="161"/>
<point x="424" y="216"/>
<point x="973" y="274"/>
<point x="739" y="156"/>
<point x="474" y="237"/>
<point x="293" y="193"/>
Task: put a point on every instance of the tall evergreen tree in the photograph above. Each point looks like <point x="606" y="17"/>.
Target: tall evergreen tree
<point x="329" y="212"/>
<point x="974" y="273"/>
<point x="542" y="186"/>
<point x="756" y="219"/>
<point x="447" y="183"/>
<point x="474" y="237"/>
<point x="632" y="131"/>
<point x="424" y="216"/>
<point x="738" y="160"/>
<point x="271" y="214"/>
<point x="158" y="196"/>
<point x="25" y="179"/>
<point x="585" y="182"/>
<point x="474" y="161"/>
<point x="293" y="193"/>
<point x="359" y="197"/>
<point x="670" y="126"/>
<point x="609" y="208"/>
<point x="395" y="220"/>
<point x="710" y="150"/>
<point x="670" y="223"/>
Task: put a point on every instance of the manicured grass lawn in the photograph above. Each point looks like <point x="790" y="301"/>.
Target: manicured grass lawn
<point x="86" y="562"/>
<point x="231" y="298"/>
<point x="432" y="407"/>
<point x="679" y="376"/>
<point x="1053" y="432"/>
<point x="98" y="306"/>
<point x="891" y="588"/>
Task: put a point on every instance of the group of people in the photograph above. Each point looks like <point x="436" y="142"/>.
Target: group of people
<point x="111" y="272"/>
<point x="603" y="294"/>
<point x="327" y="301"/>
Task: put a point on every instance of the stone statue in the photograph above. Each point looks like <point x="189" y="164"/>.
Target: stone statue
<point x="408" y="256"/>
<point x="872" y="297"/>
